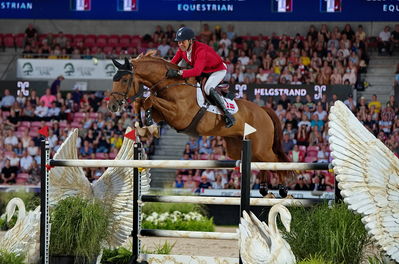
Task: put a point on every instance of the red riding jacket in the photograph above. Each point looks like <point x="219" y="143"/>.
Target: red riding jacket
<point x="203" y="59"/>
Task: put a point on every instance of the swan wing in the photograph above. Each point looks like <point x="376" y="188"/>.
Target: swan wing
<point x="254" y="249"/>
<point x="68" y="181"/>
<point x="25" y="235"/>
<point x="115" y="189"/>
<point x="368" y="176"/>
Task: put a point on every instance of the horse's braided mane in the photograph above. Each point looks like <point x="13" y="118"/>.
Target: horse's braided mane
<point x="150" y="54"/>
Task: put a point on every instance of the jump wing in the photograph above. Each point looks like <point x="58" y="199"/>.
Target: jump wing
<point x="368" y="175"/>
<point x="68" y="181"/>
<point x="115" y="189"/>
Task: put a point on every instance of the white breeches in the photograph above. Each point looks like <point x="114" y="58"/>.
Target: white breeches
<point x="214" y="79"/>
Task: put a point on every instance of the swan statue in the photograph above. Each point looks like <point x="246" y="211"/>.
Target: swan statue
<point x="368" y="176"/>
<point x="24" y="237"/>
<point x="114" y="188"/>
<point x="260" y="243"/>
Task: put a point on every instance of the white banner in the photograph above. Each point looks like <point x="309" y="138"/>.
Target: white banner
<point x="70" y="69"/>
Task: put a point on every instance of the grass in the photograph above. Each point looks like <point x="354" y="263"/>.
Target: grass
<point x="78" y="227"/>
<point x="11" y="258"/>
<point x="334" y="234"/>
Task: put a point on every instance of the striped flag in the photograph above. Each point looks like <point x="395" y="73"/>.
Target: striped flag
<point x="127" y="5"/>
<point x="81" y="5"/>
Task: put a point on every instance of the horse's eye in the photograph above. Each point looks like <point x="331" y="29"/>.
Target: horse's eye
<point x="124" y="80"/>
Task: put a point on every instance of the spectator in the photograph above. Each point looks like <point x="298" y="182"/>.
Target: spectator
<point x="206" y="34"/>
<point x="288" y="144"/>
<point x="204" y="184"/>
<point x="179" y="183"/>
<point x="296" y="155"/>
<point x="30" y="34"/>
<point x="26" y="162"/>
<point x="8" y="173"/>
<point x="384" y="45"/>
<point x="375" y="103"/>
<point x="7" y="101"/>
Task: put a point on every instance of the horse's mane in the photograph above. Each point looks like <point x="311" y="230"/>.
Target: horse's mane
<point x="150" y="55"/>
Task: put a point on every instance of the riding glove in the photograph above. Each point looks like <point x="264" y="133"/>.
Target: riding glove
<point x="172" y="73"/>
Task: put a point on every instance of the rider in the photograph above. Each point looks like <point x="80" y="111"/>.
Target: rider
<point x="204" y="60"/>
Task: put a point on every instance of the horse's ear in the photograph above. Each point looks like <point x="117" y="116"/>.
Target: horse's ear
<point x="127" y="64"/>
<point x="116" y="63"/>
<point x="140" y="55"/>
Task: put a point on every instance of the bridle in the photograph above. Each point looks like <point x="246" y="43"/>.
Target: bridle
<point x="118" y="76"/>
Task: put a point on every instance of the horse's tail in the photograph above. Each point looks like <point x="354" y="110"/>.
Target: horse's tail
<point x="278" y="136"/>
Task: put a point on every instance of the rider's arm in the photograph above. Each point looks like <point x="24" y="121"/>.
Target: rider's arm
<point x="177" y="58"/>
<point x="199" y="66"/>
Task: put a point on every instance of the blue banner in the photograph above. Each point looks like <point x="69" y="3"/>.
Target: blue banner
<point x="229" y="10"/>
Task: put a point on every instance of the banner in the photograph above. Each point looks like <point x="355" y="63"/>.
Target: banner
<point x="276" y="90"/>
<point x="203" y="10"/>
<point x="70" y="69"/>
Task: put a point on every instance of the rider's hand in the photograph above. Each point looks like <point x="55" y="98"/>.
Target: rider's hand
<point x="172" y="73"/>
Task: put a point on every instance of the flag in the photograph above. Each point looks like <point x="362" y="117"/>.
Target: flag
<point x="248" y="130"/>
<point x="127" y="5"/>
<point x="331" y="6"/>
<point x="81" y="5"/>
<point x="282" y="6"/>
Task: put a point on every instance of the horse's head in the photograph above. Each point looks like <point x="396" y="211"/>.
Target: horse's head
<point x="146" y="69"/>
<point x="123" y="85"/>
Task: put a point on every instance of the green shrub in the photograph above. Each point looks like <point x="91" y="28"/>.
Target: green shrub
<point x="78" y="227"/>
<point x="4" y="226"/>
<point x="334" y="234"/>
<point x="314" y="260"/>
<point x="11" y="258"/>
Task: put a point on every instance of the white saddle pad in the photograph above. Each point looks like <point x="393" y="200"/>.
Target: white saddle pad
<point x="231" y="105"/>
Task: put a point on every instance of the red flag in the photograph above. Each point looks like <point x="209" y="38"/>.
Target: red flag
<point x="131" y="135"/>
<point x="44" y="131"/>
<point x="106" y="98"/>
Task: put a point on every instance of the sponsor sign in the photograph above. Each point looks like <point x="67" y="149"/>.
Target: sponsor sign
<point x="70" y="69"/>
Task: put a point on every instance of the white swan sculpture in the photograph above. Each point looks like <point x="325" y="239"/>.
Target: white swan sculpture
<point x="263" y="244"/>
<point x="368" y="176"/>
<point x="114" y="188"/>
<point x="24" y="237"/>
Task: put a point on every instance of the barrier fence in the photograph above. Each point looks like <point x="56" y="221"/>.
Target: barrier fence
<point x="245" y="165"/>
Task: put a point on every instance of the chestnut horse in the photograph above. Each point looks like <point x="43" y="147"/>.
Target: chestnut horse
<point x="174" y="101"/>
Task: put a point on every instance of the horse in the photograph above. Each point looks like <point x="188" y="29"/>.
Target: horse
<point x="174" y="101"/>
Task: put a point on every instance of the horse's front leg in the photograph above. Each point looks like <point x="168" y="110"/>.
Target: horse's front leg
<point x="163" y="109"/>
<point x="137" y="105"/>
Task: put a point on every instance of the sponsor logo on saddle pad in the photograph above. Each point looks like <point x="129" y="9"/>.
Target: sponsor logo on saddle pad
<point x="231" y="105"/>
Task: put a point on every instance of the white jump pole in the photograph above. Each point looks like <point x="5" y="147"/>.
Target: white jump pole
<point x="189" y="164"/>
<point x="227" y="200"/>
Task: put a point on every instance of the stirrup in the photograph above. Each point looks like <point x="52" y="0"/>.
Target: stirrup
<point x="229" y="120"/>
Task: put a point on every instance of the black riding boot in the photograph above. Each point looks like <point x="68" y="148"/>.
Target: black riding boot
<point x="229" y="119"/>
<point x="148" y="117"/>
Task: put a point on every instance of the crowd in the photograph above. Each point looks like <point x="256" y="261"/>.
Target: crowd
<point x="321" y="55"/>
<point x="305" y="139"/>
<point x="100" y="131"/>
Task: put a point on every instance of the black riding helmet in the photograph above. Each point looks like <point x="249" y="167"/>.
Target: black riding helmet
<point x="184" y="33"/>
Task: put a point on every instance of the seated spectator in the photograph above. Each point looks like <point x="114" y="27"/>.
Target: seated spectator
<point x="86" y="150"/>
<point x="189" y="183"/>
<point x="296" y="155"/>
<point x="287" y="143"/>
<point x="323" y="154"/>
<point x="336" y="77"/>
<point x="8" y="173"/>
<point x="218" y="183"/>
<point x="301" y="185"/>
<point x="26" y="162"/>
<point x="374" y="102"/>
<point x="204" y="184"/>
<point x="10" y="139"/>
<point x="395" y="39"/>
<point x="315" y="137"/>
<point x="210" y="174"/>
<point x="7" y="101"/>
<point x="41" y="111"/>
<point x="179" y="183"/>
<point x="384" y="45"/>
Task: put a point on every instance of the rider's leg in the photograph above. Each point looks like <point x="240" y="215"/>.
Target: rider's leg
<point x="213" y="80"/>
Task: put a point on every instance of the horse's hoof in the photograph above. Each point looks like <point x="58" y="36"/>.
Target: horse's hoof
<point x="283" y="191"/>
<point x="263" y="190"/>
<point x="270" y="196"/>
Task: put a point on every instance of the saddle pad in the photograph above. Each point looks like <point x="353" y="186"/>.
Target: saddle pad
<point x="231" y="105"/>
